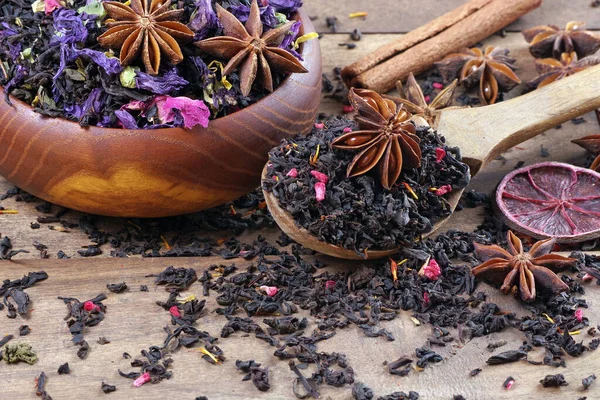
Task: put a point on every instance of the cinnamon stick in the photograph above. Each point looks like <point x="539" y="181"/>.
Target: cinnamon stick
<point x="419" y="49"/>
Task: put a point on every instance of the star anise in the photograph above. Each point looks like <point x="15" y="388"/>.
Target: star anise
<point x="147" y="26"/>
<point x="551" y="41"/>
<point x="414" y="101"/>
<point x="529" y="271"/>
<point x="551" y="70"/>
<point x="492" y="69"/>
<point x="386" y="137"/>
<point x="245" y="46"/>
<point x="592" y="144"/>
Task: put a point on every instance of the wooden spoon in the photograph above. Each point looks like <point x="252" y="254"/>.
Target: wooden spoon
<point x="482" y="134"/>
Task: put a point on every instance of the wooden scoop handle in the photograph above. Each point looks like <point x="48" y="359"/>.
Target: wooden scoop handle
<point x="483" y="133"/>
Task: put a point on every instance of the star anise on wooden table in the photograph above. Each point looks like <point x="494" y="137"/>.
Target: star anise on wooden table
<point x="592" y="144"/>
<point x="493" y="69"/>
<point x="255" y="53"/>
<point x="551" y="41"/>
<point x="386" y="137"/>
<point x="551" y="70"/>
<point x="148" y="27"/>
<point x="528" y="271"/>
<point x="414" y="101"/>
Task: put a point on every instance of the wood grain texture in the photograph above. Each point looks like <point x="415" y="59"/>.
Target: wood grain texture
<point x="155" y="173"/>
<point x="134" y="322"/>
<point x="401" y="16"/>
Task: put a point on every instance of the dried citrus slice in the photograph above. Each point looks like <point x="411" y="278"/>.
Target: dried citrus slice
<point x="552" y="200"/>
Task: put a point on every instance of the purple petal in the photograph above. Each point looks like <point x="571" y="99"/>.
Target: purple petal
<point x="267" y="14"/>
<point x="168" y="83"/>
<point x="287" y="7"/>
<point x="126" y="119"/>
<point x="204" y="20"/>
<point x="68" y="27"/>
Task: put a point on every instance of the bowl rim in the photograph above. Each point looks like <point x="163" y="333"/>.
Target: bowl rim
<point x="299" y="15"/>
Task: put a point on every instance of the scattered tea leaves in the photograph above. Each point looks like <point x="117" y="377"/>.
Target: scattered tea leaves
<point x="554" y="381"/>
<point x="64" y="369"/>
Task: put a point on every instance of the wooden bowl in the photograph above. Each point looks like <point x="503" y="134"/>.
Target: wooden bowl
<point x="155" y="173"/>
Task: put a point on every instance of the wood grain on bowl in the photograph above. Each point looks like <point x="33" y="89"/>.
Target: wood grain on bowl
<point x="155" y="173"/>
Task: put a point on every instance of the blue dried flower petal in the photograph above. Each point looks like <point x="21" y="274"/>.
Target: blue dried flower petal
<point x="289" y="38"/>
<point x="204" y="20"/>
<point x="18" y="77"/>
<point x="267" y="15"/>
<point x="170" y="82"/>
<point x="287" y="7"/>
<point x="68" y="27"/>
<point x="126" y="119"/>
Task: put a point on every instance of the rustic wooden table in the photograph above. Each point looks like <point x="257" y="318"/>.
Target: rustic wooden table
<point x="133" y="323"/>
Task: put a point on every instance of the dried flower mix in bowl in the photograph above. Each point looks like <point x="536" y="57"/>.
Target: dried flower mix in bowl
<point x="146" y="63"/>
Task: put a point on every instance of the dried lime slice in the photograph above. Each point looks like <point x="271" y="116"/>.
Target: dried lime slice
<point x="552" y="200"/>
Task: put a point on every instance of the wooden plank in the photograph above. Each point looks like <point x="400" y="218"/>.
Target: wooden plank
<point x="134" y="322"/>
<point x="400" y="16"/>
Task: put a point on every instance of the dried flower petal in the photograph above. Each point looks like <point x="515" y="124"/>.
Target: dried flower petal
<point x="319" y="176"/>
<point x="442" y="190"/>
<point x="269" y="290"/>
<point x="144" y="378"/>
<point x="194" y="112"/>
<point x="431" y="270"/>
<point x="320" y="191"/>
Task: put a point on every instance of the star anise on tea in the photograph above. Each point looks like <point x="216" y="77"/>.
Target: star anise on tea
<point x="492" y="69"/>
<point x="386" y="137"/>
<point x="148" y="27"/>
<point x="592" y="144"/>
<point x="414" y="101"/>
<point x="552" y="70"/>
<point x="551" y="41"/>
<point x="528" y="271"/>
<point x="245" y="46"/>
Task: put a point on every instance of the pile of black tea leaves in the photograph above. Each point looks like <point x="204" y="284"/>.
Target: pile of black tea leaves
<point x="358" y="213"/>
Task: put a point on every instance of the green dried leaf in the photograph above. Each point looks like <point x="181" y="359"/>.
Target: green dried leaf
<point x="74" y="75"/>
<point x="127" y="77"/>
<point x="13" y="353"/>
<point x="27" y="55"/>
<point x="93" y="8"/>
<point x="38" y="6"/>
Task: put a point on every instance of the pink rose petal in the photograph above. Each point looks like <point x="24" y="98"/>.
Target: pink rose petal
<point x="321" y="177"/>
<point x="320" y="191"/>
<point x="292" y="173"/>
<point x="144" y="378"/>
<point x="439" y="154"/>
<point x="431" y="271"/>
<point x="442" y="190"/>
<point x="51" y="5"/>
<point x="269" y="290"/>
